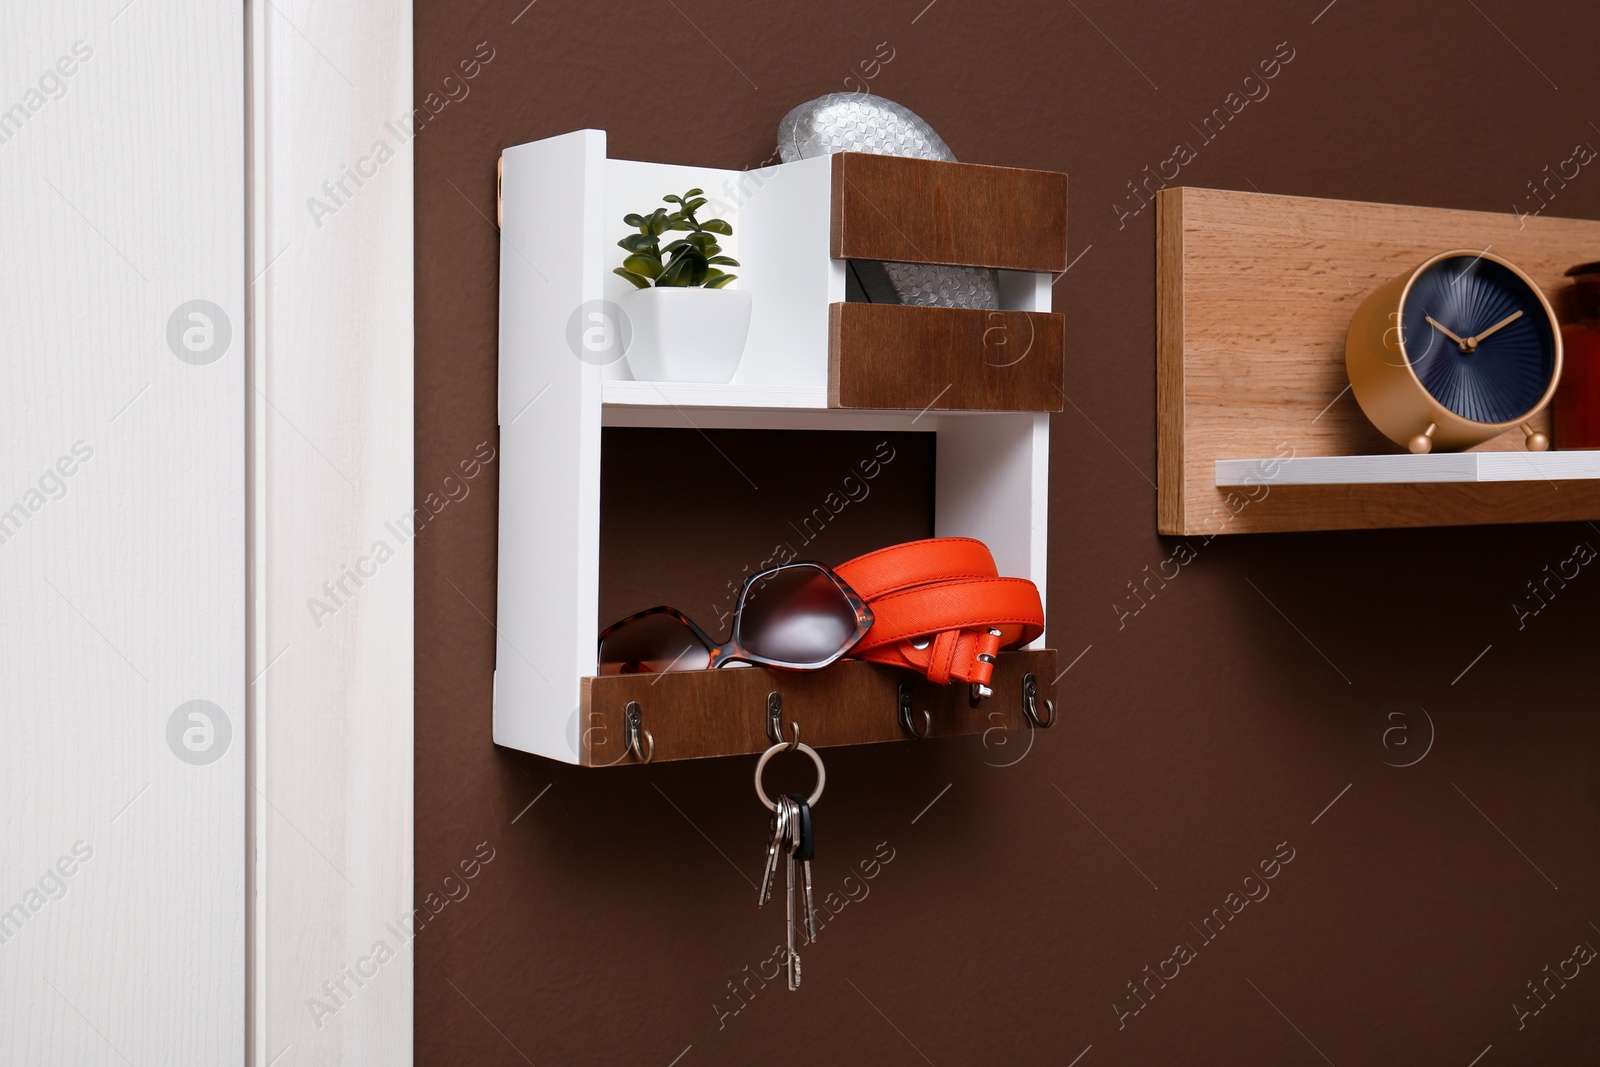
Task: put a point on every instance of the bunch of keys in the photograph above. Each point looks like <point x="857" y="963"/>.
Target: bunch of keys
<point x="792" y="838"/>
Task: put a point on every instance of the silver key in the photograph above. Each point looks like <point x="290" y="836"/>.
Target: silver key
<point x="811" y="908"/>
<point x="791" y="842"/>
<point x="780" y="833"/>
<point x="804" y="848"/>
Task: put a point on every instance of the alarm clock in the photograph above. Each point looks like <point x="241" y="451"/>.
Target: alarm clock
<point x="1454" y="352"/>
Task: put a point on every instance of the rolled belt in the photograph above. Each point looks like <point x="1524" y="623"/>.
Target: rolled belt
<point x="941" y="609"/>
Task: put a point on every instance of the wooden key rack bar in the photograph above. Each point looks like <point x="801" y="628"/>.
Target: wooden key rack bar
<point x="698" y="714"/>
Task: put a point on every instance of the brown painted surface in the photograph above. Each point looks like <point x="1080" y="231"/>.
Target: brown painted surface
<point x="919" y="211"/>
<point x="1211" y="717"/>
<point x="884" y="356"/>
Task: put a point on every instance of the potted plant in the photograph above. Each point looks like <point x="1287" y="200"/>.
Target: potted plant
<point x="683" y="330"/>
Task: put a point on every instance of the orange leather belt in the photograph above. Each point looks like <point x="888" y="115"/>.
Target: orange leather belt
<point x="941" y="609"/>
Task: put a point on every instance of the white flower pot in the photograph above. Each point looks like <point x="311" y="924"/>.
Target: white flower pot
<point x="687" y="334"/>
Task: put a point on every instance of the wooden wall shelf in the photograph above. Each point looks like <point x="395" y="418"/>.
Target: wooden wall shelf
<point x="1254" y="296"/>
<point x="700" y="714"/>
<point x="812" y="361"/>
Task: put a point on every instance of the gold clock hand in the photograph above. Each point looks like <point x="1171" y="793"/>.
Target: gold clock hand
<point x="1437" y="325"/>
<point x="1473" y="342"/>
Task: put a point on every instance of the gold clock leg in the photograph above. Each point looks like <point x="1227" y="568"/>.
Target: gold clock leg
<point x="1423" y="442"/>
<point x="1537" y="442"/>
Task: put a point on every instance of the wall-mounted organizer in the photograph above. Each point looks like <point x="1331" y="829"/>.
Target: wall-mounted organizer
<point x="982" y="382"/>
<point x="1257" y="429"/>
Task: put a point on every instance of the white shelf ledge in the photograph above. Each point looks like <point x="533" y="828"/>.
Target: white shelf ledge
<point x="1403" y="469"/>
<point x="756" y="407"/>
<point x="704" y="395"/>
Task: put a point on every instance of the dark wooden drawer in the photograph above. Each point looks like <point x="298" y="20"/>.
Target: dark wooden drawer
<point x="904" y="357"/>
<point x="961" y="214"/>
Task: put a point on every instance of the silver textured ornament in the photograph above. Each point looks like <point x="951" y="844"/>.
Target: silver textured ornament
<point x="861" y="122"/>
<point x="857" y="122"/>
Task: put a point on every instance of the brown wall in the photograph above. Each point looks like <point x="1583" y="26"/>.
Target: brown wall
<point x="1196" y="736"/>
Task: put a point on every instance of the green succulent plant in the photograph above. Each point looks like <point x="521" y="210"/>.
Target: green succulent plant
<point x="693" y="260"/>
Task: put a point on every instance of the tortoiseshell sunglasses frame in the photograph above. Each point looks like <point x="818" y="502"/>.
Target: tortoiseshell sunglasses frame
<point x="732" y="651"/>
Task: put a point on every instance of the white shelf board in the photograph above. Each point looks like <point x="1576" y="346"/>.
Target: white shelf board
<point x="705" y="406"/>
<point x="1406" y="468"/>
<point x="707" y="395"/>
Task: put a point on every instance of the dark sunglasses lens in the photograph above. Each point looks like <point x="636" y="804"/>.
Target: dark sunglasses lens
<point x="652" y="644"/>
<point x="796" y="615"/>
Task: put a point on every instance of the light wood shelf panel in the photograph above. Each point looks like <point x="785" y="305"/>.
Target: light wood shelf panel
<point x="1254" y="296"/>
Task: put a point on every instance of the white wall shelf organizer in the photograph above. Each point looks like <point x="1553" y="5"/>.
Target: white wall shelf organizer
<point x="561" y="204"/>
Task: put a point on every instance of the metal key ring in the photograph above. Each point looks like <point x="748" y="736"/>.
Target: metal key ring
<point x="761" y="765"/>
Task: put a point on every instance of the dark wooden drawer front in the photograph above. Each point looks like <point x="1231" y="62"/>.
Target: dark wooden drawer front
<point x="925" y="211"/>
<point x="915" y="358"/>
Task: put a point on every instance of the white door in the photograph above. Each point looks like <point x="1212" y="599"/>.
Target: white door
<point x="122" y="532"/>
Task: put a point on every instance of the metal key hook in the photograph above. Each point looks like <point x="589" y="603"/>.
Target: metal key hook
<point x="1030" y="704"/>
<point x="775" y="722"/>
<point x="637" y="739"/>
<point x="784" y="746"/>
<point x="908" y="717"/>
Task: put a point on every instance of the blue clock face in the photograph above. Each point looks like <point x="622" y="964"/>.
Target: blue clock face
<point x="1479" y="338"/>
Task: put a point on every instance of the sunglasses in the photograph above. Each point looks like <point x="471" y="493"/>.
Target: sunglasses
<point x="800" y="616"/>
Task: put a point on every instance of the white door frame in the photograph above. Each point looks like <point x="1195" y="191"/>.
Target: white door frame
<point x="330" y="480"/>
<point x="122" y="529"/>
